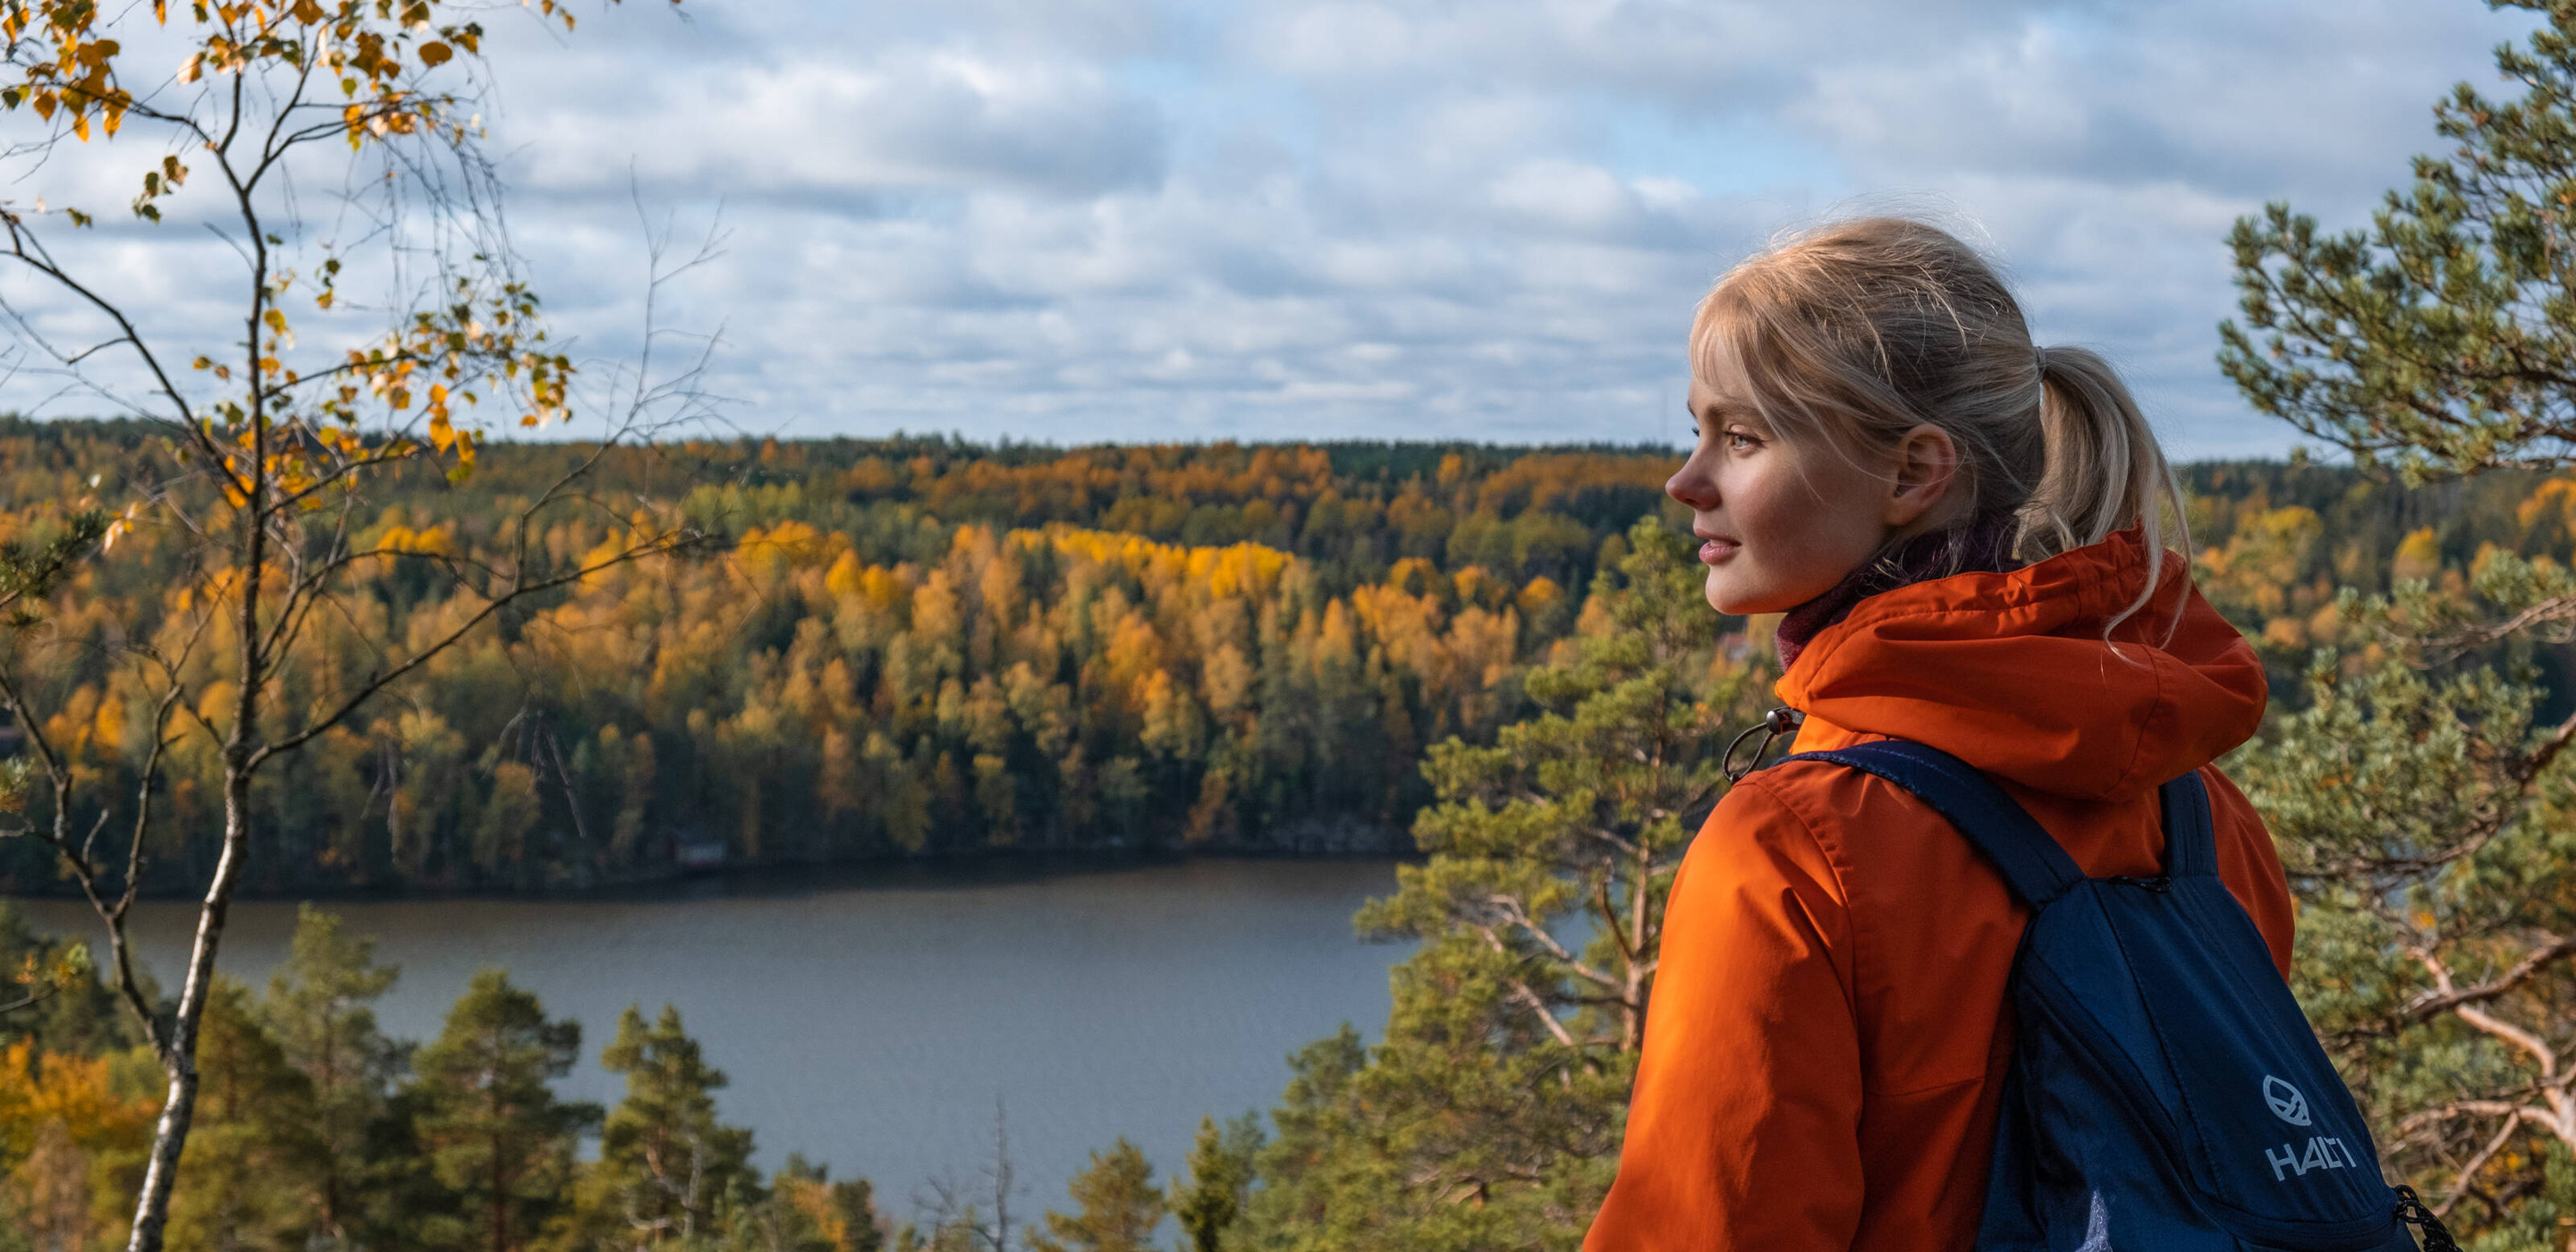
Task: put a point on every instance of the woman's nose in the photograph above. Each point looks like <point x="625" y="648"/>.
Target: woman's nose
<point x="1691" y="487"/>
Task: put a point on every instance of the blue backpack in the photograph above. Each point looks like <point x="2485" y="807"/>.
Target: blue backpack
<point x="2166" y="1093"/>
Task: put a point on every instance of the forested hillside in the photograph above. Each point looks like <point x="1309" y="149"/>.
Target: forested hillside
<point x="920" y="646"/>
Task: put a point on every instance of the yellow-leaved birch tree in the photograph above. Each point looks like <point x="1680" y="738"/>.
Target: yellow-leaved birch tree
<point x="376" y="309"/>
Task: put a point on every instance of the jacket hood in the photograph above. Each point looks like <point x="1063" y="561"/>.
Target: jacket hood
<point x="2010" y="673"/>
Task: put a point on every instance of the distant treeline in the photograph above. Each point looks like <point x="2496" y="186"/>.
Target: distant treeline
<point x="923" y="646"/>
<point x="2279" y="544"/>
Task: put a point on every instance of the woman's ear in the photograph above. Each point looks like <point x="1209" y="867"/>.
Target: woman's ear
<point x="1927" y="463"/>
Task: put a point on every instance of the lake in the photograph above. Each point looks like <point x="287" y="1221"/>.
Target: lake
<point x="871" y="1018"/>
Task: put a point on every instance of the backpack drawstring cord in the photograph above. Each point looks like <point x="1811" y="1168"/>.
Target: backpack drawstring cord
<point x="2412" y="1210"/>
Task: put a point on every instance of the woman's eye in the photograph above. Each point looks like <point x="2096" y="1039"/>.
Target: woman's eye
<point x="1741" y="442"/>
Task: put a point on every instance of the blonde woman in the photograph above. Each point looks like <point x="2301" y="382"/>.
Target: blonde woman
<point x="1975" y="540"/>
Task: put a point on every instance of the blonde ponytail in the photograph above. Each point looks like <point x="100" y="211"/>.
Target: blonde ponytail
<point x="1849" y="335"/>
<point x="2105" y="472"/>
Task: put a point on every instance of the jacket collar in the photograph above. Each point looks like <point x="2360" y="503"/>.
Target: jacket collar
<point x="2010" y="672"/>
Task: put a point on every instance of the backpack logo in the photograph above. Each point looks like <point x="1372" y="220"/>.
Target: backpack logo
<point x="2287" y="1102"/>
<point x="2324" y="1152"/>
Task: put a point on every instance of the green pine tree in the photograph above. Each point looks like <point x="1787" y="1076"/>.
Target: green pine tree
<point x="2438" y="340"/>
<point x="1324" y="1175"/>
<point x="320" y="1004"/>
<point x="668" y="1174"/>
<point x="253" y="1141"/>
<point x="862" y="1229"/>
<point x="1221" y="1171"/>
<point x="1119" y="1206"/>
<point x="498" y="1143"/>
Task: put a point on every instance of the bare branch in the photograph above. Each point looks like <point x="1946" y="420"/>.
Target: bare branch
<point x="2468" y="1173"/>
<point x="1518" y="917"/>
<point x="2444" y="998"/>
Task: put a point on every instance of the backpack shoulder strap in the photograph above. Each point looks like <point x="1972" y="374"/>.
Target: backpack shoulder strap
<point x="2028" y="857"/>
<point x="2191" y="836"/>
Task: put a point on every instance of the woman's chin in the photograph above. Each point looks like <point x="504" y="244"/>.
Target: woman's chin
<point x="1736" y="601"/>
<point x="1730" y="603"/>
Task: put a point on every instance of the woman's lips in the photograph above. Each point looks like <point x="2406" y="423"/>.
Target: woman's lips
<point x="1716" y="550"/>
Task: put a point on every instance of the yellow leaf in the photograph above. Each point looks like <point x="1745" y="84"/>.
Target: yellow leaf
<point x="276" y="319"/>
<point x="434" y="53"/>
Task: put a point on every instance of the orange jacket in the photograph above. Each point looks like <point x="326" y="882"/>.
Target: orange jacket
<point x="1827" y="1038"/>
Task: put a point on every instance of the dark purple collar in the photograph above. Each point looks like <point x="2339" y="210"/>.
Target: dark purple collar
<point x="1983" y="546"/>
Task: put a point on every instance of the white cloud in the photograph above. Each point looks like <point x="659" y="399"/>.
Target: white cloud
<point x="1113" y="219"/>
<point x="908" y="119"/>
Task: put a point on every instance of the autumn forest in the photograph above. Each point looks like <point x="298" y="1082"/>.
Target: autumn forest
<point x="923" y="647"/>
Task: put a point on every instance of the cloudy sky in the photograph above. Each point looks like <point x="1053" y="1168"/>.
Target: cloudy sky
<point x="1078" y="220"/>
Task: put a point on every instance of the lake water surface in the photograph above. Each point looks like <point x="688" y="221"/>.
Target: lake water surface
<point x="871" y="1019"/>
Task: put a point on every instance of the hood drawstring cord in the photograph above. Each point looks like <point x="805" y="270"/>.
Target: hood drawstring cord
<point x="1780" y="721"/>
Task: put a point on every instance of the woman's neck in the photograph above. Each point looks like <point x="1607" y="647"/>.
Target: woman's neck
<point x="1985" y="545"/>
